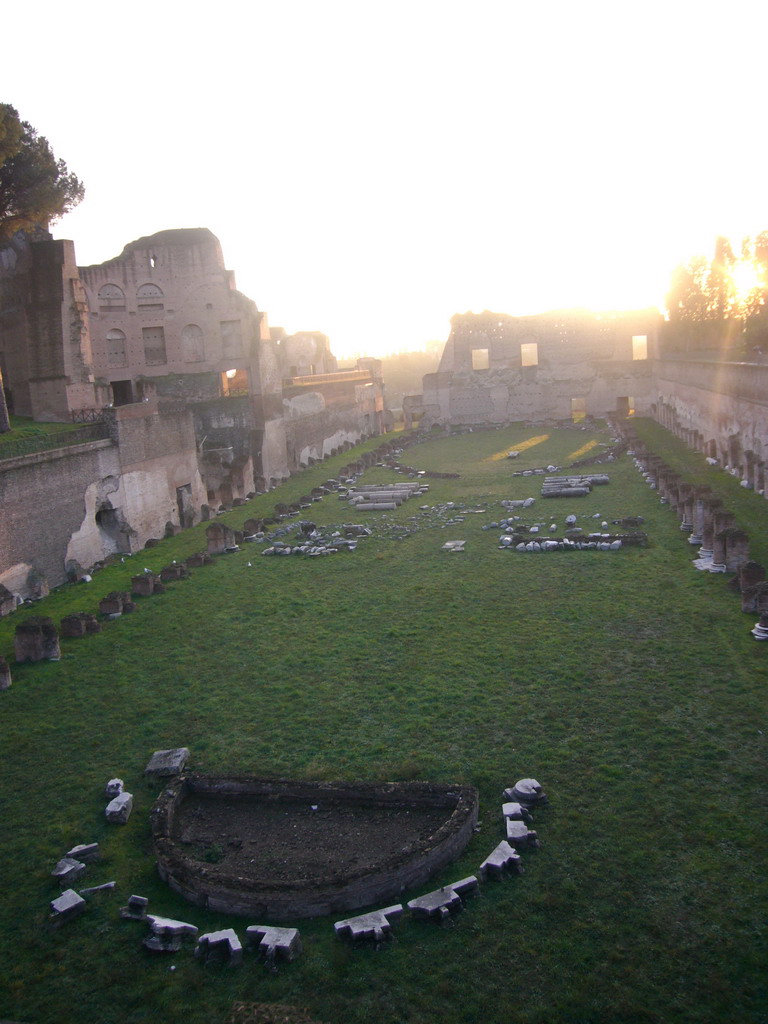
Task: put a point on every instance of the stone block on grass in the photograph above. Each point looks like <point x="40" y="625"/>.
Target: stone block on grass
<point x="67" y="906"/>
<point x="375" y="926"/>
<point x="220" y="945"/>
<point x="165" y="763"/>
<point x="441" y="903"/>
<point x="274" y="943"/>
<point x="118" y="811"/>
<point x="502" y="859"/>
<point x="68" y="870"/>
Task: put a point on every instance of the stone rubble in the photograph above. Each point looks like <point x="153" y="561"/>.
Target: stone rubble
<point x="118" y="810"/>
<point x="274" y="943"/>
<point x="375" y="926"/>
<point x="441" y="903"/>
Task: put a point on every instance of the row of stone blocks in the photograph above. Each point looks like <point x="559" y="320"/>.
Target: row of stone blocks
<point x="440" y="904"/>
<point x="701" y="514"/>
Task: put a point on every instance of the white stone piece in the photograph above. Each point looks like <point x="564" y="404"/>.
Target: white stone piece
<point x="520" y="836"/>
<point x="164" y="763"/>
<point x="221" y="943"/>
<point x="440" y="903"/>
<point x="516" y="811"/>
<point x="376" y="926"/>
<point x="113" y="788"/>
<point x="527" y="791"/>
<point x="118" y="811"/>
<point x="67" y="906"/>
<point x="85" y="852"/>
<point x="502" y="859"/>
<point x="274" y="943"/>
<point x="68" y="870"/>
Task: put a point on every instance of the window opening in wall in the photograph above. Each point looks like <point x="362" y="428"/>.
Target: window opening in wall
<point x="152" y="262"/>
<point x="480" y="359"/>
<point x="111" y="299"/>
<point x="529" y="354"/>
<point x="149" y="298"/>
<point x="192" y="344"/>
<point x="231" y="338"/>
<point x="116" y="348"/>
<point x="154" y="346"/>
<point x="122" y="392"/>
<point x="639" y="346"/>
<point x="578" y="409"/>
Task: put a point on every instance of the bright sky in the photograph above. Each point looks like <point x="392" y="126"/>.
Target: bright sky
<point x="372" y="168"/>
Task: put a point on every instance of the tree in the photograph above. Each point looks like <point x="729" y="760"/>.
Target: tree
<point x="687" y="296"/>
<point x="35" y="187"/>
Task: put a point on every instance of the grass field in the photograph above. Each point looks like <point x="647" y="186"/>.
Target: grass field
<point x="626" y="682"/>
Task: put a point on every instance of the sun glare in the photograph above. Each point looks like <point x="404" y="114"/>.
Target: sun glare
<point x="746" y="278"/>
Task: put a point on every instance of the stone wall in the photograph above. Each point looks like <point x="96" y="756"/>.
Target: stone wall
<point x="496" y="368"/>
<point x="78" y="505"/>
<point x="44" y="501"/>
<point x="719" y="408"/>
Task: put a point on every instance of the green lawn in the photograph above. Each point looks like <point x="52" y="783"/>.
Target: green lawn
<point x="626" y="682"/>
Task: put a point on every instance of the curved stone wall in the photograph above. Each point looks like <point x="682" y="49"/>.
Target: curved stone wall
<point x="211" y="885"/>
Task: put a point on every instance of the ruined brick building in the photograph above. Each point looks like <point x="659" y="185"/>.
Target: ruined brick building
<point x="693" y="378"/>
<point x="196" y="401"/>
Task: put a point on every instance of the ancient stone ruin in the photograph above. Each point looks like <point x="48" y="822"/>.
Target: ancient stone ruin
<point x="213" y="836"/>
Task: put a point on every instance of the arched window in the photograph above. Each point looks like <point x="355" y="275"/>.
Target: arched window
<point x="116" y="355"/>
<point x="111" y="299"/>
<point x="149" y="297"/>
<point x="192" y="344"/>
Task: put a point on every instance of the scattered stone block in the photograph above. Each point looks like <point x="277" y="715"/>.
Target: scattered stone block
<point x="104" y="887"/>
<point x="167" y="934"/>
<point x="502" y="859"/>
<point x="37" y="640"/>
<point x="454" y="545"/>
<point x="114" y="788"/>
<point x="67" y="906"/>
<point x="118" y="811"/>
<point x="520" y="836"/>
<point x="375" y="926"/>
<point x="526" y="791"/>
<point x="143" y="585"/>
<point x="164" y="763"/>
<point x="223" y="944"/>
<point x="760" y="630"/>
<point x="516" y="811"/>
<point x="113" y="605"/>
<point x="274" y="943"/>
<point x="441" y="903"/>
<point x="171" y="573"/>
<point x="197" y="560"/>
<point x="85" y="852"/>
<point x="68" y="870"/>
<point x="136" y="910"/>
<point x="5" y="674"/>
<point x="79" y="625"/>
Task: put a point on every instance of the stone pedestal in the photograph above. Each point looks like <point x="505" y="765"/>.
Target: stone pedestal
<point x="37" y="640"/>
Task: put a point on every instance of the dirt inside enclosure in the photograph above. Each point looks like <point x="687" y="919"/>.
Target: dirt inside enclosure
<point x="287" y="840"/>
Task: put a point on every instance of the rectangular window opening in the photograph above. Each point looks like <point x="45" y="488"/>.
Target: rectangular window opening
<point x="154" y="346"/>
<point x="578" y="409"/>
<point x="639" y="346"/>
<point x="529" y="354"/>
<point x="480" y="359"/>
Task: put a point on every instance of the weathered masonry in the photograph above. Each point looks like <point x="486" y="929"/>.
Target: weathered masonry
<point x="197" y="400"/>
<point x="497" y="368"/>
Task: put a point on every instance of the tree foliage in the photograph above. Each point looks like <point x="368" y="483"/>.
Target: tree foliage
<point x="35" y="187"/>
<point x="727" y="287"/>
